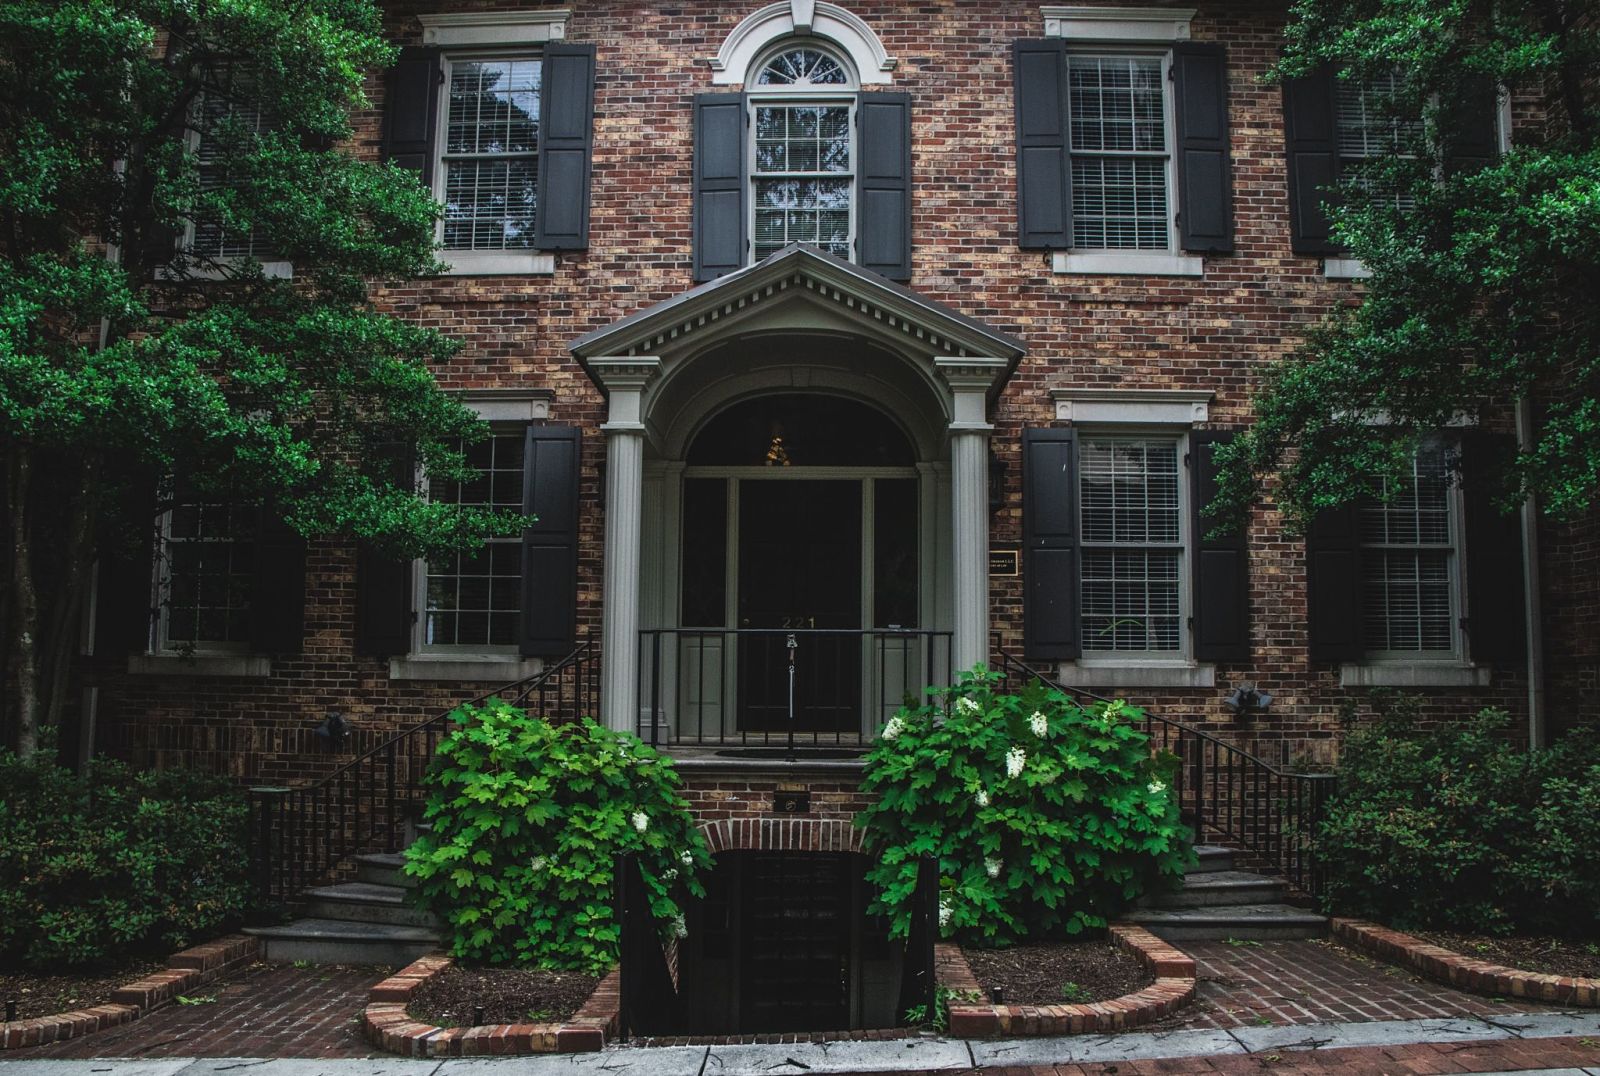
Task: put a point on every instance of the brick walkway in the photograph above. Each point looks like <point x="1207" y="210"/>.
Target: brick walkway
<point x="269" y="1010"/>
<point x="1304" y="982"/>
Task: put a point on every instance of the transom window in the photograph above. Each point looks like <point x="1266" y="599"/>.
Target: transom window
<point x="802" y="67"/>
<point x="1129" y="497"/>
<point x="490" y="160"/>
<point x="205" y="574"/>
<point x="473" y="600"/>
<point x="1408" y="555"/>
<point x="1117" y="111"/>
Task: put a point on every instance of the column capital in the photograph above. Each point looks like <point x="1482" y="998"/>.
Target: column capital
<point x="970" y="374"/>
<point x="625" y="373"/>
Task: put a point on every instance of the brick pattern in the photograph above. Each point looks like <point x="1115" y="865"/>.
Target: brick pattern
<point x="1465" y="972"/>
<point x="388" y="1026"/>
<point x="1173" y="988"/>
<point x="1308" y="982"/>
<point x="185" y="970"/>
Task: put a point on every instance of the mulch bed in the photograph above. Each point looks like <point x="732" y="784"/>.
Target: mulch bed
<point x="1038" y="974"/>
<point x="46" y="995"/>
<point x="506" y="995"/>
<point x="1552" y="956"/>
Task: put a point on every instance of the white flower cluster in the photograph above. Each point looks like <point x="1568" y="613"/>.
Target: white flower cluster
<point x="537" y="863"/>
<point x="981" y="798"/>
<point x="991" y="866"/>
<point x="669" y="875"/>
<point x="687" y="859"/>
<point x="945" y="912"/>
<point x="1039" y="724"/>
<point x="680" y="929"/>
<point x="1016" y="759"/>
<point x="641" y="821"/>
<point x="965" y="705"/>
<point x="894" y="728"/>
<point x="1156" y="788"/>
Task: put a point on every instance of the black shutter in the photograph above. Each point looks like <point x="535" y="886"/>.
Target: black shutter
<point x="1334" y="584"/>
<point x="566" y="141"/>
<point x="384" y="600"/>
<point x="1496" y="623"/>
<point x="124" y="598"/>
<point x="1472" y="119"/>
<point x="719" y="184"/>
<point x="1205" y="173"/>
<point x="1221" y="564"/>
<point x="1044" y="182"/>
<point x="883" y="221"/>
<point x="1050" y="623"/>
<point x="550" y="545"/>
<point x="278" y="587"/>
<point x="1311" y="130"/>
<point x="411" y="111"/>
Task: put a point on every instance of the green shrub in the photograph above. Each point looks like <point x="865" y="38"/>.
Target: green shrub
<point x="115" y="863"/>
<point x="1455" y="827"/>
<point x="528" y="818"/>
<point x="1046" y="816"/>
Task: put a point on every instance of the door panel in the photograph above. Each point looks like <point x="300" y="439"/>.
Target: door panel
<point x="795" y="973"/>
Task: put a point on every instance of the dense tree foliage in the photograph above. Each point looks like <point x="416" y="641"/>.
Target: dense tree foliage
<point x="129" y="129"/>
<point x="1483" y="280"/>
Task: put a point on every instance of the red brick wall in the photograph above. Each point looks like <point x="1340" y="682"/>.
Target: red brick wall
<point x="1216" y="333"/>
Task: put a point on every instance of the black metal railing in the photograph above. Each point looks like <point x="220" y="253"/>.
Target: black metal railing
<point x="1228" y="794"/>
<point x="648" y="1003"/>
<point x="300" y="835"/>
<point x="780" y="687"/>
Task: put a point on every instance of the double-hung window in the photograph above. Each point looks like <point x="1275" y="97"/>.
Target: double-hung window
<point x="1121" y="151"/>
<point x="802" y="170"/>
<point x="1132" y="579"/>
<point x="1409" y="563"/>
<point x="205" y="575"/>
<point x="225" y="114"/>
<point x="1370" y="127"/>
<point x="472" y="601"/>
<point x="489" y="162"/>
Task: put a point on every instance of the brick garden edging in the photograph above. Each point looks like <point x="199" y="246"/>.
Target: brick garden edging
<point x="185" y="970"/>
<point x="388" y="1026"/>
<point x="1174" y="987"/>
<point x="1465" y="972"/>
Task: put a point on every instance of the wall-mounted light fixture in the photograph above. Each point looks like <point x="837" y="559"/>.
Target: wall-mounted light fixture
<point x="1247" y="700"/>
<point x="332" y="729"/>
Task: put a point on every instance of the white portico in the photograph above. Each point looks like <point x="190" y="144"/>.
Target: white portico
<point x="806" y="419"/>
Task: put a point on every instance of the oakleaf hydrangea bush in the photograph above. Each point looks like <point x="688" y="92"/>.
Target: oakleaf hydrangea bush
<point x="1046" y="816"/>
<point x="528" y="818"/>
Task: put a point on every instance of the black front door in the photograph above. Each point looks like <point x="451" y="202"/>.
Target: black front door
<point x="795" y="943"/>
<point x="800" y="569"/>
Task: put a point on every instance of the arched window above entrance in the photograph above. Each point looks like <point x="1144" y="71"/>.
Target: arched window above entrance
<point x="801" y="430"/>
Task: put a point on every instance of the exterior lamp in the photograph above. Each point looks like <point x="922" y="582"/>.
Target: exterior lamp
<point x="1247" y="700"/>
<point x="332" y="729"/>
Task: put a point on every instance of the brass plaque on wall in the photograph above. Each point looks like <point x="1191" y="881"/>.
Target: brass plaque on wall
<point x="1005" y="561"/>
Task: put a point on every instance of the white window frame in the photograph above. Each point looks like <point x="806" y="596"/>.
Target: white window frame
<point x="756" y="96"/>
<point x="504" y="663"/>
<point x="487" y="33"/>
<point x="1146" y="31"/>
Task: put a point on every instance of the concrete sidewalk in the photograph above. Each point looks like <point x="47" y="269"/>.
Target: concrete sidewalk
<point x="1259" y="1044"/>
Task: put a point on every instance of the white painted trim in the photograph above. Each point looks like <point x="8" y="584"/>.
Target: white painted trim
<point x="766" y="26"/>
<point x="1413" y="674"/>
<point x="457" y="28"/>
<point x="272" y="270"/>
<point x="1122" y="674"/>
<point x="1145" y="407"/>
<point x="1117" y="23"/>
<point x="509" y="405"/>
<point x="438" y="666"/>
<point x="1344" y="269"/>
<point x="497" y="263"/>
<point x="1130" y="263"/>
<point x="233" y="665"/>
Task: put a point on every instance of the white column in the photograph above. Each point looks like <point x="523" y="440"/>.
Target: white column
<point x="969" y="380"/>
<point x="625" y="380"/>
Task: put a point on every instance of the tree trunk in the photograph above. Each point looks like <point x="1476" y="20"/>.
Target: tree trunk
<point x="25" y="601"/>
<point x="67" y="621"/>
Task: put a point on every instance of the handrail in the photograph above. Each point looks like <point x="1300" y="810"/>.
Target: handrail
<point x="648" y="1002"/>
<point x="300" y="835"/>
<point x="1227" y="793"/>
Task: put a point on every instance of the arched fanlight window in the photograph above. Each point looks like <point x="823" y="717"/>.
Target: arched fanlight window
<point x="801" y="68"/>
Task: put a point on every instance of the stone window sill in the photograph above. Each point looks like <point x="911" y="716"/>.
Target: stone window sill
<point x="491" y="667"/>
<point x="1412" y="674"/>
<point x="1119" y="264"/>
<point x="200" y="665"/>
<point x="497" y="263"/>
<point x="1094" y="674"/>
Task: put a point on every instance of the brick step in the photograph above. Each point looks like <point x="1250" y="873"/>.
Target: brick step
<point x="1213" y="857"/>
<point x="1250" y="922"/>
<point x="383" y="868"/>
<point x="337" y="941"/>
<point x="363" y="902"/>
<point x="1210" y="889"/>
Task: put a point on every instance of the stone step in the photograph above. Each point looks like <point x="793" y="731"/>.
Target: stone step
<point x="1247" y="922"/>
<point x="363" y="902"/>
<point x="337" y="941"/>
<point x="1223" y="887"/>
<point x="1213" y="857"/>
<point x="383" y="868"/>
